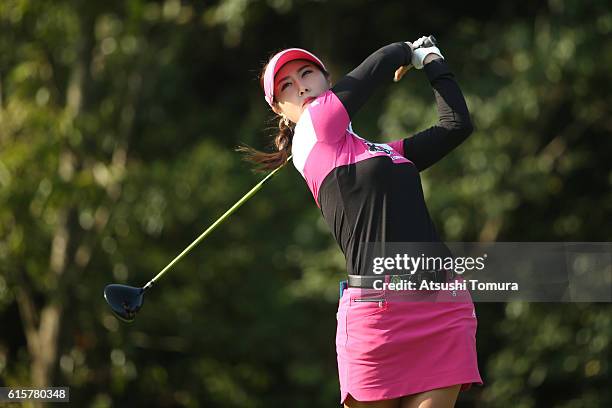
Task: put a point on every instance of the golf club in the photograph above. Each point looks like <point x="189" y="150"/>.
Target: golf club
<point x="125" y="301"/>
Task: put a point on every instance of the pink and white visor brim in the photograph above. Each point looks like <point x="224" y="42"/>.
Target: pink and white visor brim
<point x="276" y="64"/>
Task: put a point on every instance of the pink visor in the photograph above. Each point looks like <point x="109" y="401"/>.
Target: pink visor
<point x="278" y="61"/>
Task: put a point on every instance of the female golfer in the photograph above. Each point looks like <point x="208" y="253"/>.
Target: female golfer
<point x="391" y="352"/>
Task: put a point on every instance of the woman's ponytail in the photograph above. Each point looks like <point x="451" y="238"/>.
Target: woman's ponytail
<point x="270" y="160"/>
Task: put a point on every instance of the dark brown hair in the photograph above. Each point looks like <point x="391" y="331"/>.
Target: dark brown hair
<point x="281" y="141"/>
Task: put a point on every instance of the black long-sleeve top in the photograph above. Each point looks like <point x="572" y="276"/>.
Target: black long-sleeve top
<point x="371" y="192"/>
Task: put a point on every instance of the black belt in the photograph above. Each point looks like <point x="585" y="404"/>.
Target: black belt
<point x="367" y="281"/>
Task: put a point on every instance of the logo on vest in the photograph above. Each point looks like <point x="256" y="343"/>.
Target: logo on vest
<point x="381" y="147"/>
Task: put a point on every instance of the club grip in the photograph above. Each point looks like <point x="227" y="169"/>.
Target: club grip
<point x="429" y="42"/>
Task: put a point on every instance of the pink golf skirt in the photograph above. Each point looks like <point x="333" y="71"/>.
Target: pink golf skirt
<point x="410" y="342"/>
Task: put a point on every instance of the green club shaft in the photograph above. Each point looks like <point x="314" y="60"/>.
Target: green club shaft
<point x="214" y="225"/>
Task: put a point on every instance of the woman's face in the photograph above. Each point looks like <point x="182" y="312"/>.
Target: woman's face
<point x="295" y="84"/>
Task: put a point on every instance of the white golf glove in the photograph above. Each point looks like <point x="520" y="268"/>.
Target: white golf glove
<point x="419" y="54"/>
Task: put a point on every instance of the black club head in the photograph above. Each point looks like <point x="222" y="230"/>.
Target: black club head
<point x="124" y="300"/>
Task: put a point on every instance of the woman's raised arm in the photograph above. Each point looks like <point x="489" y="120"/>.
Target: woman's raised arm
<point x="355" y="88"/>
<point x="454" y="125"/>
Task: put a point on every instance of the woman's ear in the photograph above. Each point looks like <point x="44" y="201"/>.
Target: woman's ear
<point x="276" y="109"/>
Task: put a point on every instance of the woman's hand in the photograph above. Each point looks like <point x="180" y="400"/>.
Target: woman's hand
<point x="423" y="55"/>
<point x="399" y="73"/>
<point x="420" y="57"/>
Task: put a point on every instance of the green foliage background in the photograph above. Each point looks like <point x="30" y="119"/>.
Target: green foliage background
<point x="118" y="121"/>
